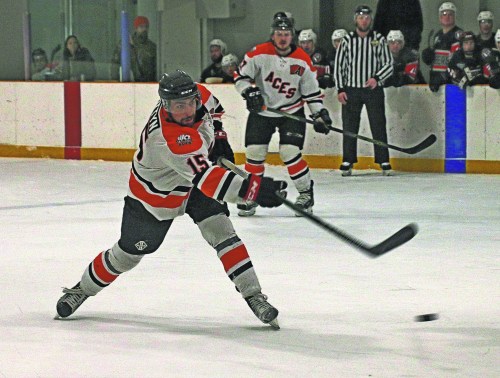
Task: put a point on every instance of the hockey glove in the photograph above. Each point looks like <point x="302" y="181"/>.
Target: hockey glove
<point x="323" y="121"/>
<point x="254" y="99"/>
<point x="434" y="87"/>
<point x="263" y="190"/>
<point x="221" y="148"/>
<point x="428" y="56"/>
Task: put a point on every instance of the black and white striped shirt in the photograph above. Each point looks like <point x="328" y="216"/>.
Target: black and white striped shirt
<point x="359" y="59"/>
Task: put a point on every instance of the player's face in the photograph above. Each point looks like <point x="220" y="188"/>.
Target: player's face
<point x="282" y="39"/>
<point x="395" y="46"/>
<point x="308" y="46"/>
<point x="215" y="53"/>
<point x="230" y="69"/>
<point x="363" y="22"/>
<point x="468" y="46"/>
<point x="336" y="43"/>
<point x="183" y="111"/>
<point x="485" y="26"/>
<point x="447" y="18"/>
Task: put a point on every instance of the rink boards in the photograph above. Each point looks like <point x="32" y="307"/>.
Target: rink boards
<point x="104" y="120"/>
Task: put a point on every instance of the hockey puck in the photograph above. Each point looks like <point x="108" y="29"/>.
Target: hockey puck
<point x="426" y="317"/>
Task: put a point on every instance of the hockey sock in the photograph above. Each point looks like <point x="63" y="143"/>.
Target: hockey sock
<point x="299" y="172"/>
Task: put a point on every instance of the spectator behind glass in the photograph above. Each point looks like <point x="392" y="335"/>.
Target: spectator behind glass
<point x="213" y="72"/>
<point x="40" y="64"/>
<point x="229" y="66"/>
<point x="308" y="42"/>
<point x="403" y="15"/>
<point x="78" y="64"/>
<point x="142" y="54"/>
<point x="406" y="62"/>
<point x="485" y="38"/>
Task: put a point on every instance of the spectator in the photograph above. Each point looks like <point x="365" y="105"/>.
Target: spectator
<point x="78" y="64"/>
<point x="362" y="63"/>
<point x="403" y="15"/>
<point x="142" y="54"/>
<point x="229" y="66"/>
<point x="444" y="45"/>
<point x="284" y="79"/>
<point x="466" y="65"/>
<point x="406" y="62"/>
<point x="40" y="65"/>
<point x="308" y="40"/>
<point x="214" y="70"/>
<point x="485" y="38"/>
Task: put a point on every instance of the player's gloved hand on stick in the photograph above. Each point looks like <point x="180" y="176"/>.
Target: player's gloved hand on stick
<point x="221" y="147"/>
<point x="323" y="121"/>
<point x="254" y="99"/>
<point x="263" y="190"/>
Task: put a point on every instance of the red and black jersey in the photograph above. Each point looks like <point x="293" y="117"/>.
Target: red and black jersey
<point x="172" y="159"/>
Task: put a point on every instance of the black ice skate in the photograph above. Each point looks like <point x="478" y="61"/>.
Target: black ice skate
<point x="263" y="309"/>
<point x="246" y="209"/>
<point x="70" y="301"/>
<point x="346" y="169"/>
<point x="305" y="200"/>
<point x="386" y="169"/>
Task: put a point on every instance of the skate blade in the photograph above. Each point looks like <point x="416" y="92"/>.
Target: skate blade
<point x="274" y="324"/>
<point x="309" y="211"/>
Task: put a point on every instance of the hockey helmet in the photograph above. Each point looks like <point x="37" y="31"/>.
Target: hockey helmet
<point x="395" y="35"/>
<point x="282" y="23"/>
<point x="447" y="6"/>
<point x="177" y="85"/>
<point x="220" y="44"/>
<point x="284" y="14"/>
<point x="362" y="9"/>
<point x="229" y="59"/>
<point x="308" y="35"/>
<point x="467" y="36"/>
<point x="338" y="34"/>
<point x="497" y="36"/>
<point x="485" y="16"/>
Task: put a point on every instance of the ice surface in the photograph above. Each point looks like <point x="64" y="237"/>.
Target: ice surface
<point x="176" y="314"/>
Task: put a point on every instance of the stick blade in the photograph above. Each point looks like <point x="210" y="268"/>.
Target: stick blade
<point x="399" y="238"/>
<point x="427" y="142"/>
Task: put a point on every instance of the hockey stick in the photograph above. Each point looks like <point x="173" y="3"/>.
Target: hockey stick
<point x="394" y="241"/>
<point x="427" y="142"/>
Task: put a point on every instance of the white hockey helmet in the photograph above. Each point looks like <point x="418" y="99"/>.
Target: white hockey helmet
<point x="447" y="6"/>
<point x="229" y="59"/>
<point x="308" y="35"/>
<point x="485" y="16"/>
<point x="497" y="36"/>
<point x="395" y="35"/>
<point x="338" y="34"/>
<point x="220" y="43"/>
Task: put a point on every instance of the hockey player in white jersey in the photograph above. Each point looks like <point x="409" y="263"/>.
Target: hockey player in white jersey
<point x="281" y="76"/>
<point x="171" y="175"/>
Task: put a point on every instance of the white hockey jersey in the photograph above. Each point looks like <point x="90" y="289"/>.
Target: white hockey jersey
<point x="171" y="159"/>
<point x="286" y="82"/>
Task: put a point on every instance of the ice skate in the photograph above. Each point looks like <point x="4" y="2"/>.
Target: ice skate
<point x="246" y="209"/>
<point x="263" y="309"/>
<point x="305" y="200"/>
<point x="386" y="169"/>
<point x="70" y="301"/>
<point x="346" y="169"/>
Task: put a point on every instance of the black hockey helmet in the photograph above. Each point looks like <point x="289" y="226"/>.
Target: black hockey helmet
<point x="467" y="36"/>
<point x="362" y="9"/>
<point x="177" y="85"/>
<point x="282" y="23"/>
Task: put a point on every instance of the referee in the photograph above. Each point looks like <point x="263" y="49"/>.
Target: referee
<point x="363" y="60"/>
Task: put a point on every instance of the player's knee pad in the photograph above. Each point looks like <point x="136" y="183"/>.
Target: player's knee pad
<point x="257" y="152"/>
<point x="289" y="152"/>
<point x="217" y="229"/>
<point x="121" y="260"/>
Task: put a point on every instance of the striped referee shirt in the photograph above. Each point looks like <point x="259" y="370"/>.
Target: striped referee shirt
<point x="359" y="59"/>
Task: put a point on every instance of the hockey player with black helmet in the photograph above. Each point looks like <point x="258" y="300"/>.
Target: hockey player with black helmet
<point x="280" y="76"/>
<point x="466" y="64"/>
<point x="171" y="175"/>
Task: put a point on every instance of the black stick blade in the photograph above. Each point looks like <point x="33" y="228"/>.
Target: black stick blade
<point x="402" y="236"/>
<point x="427" y="142"/>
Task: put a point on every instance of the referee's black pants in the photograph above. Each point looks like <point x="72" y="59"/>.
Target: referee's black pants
<point x="374" y="100"/>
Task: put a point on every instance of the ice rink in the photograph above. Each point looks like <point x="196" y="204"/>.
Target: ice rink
<point x="342" y="314"/>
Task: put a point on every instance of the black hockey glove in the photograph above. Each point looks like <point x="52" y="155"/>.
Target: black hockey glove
<point x="434" y="87"/>
<point x="428" y="56"/>
<point x="254" y="99"/>
<point x="263" y="190"/>
<point x="221" y="148"/>
<point x="323" y="121"/>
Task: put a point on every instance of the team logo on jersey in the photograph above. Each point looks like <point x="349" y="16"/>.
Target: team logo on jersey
<point x="296" y="69"/>
<point x="316" y="58"/>
<point x="141" y="245"/>
<point x="184" y="139"/>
